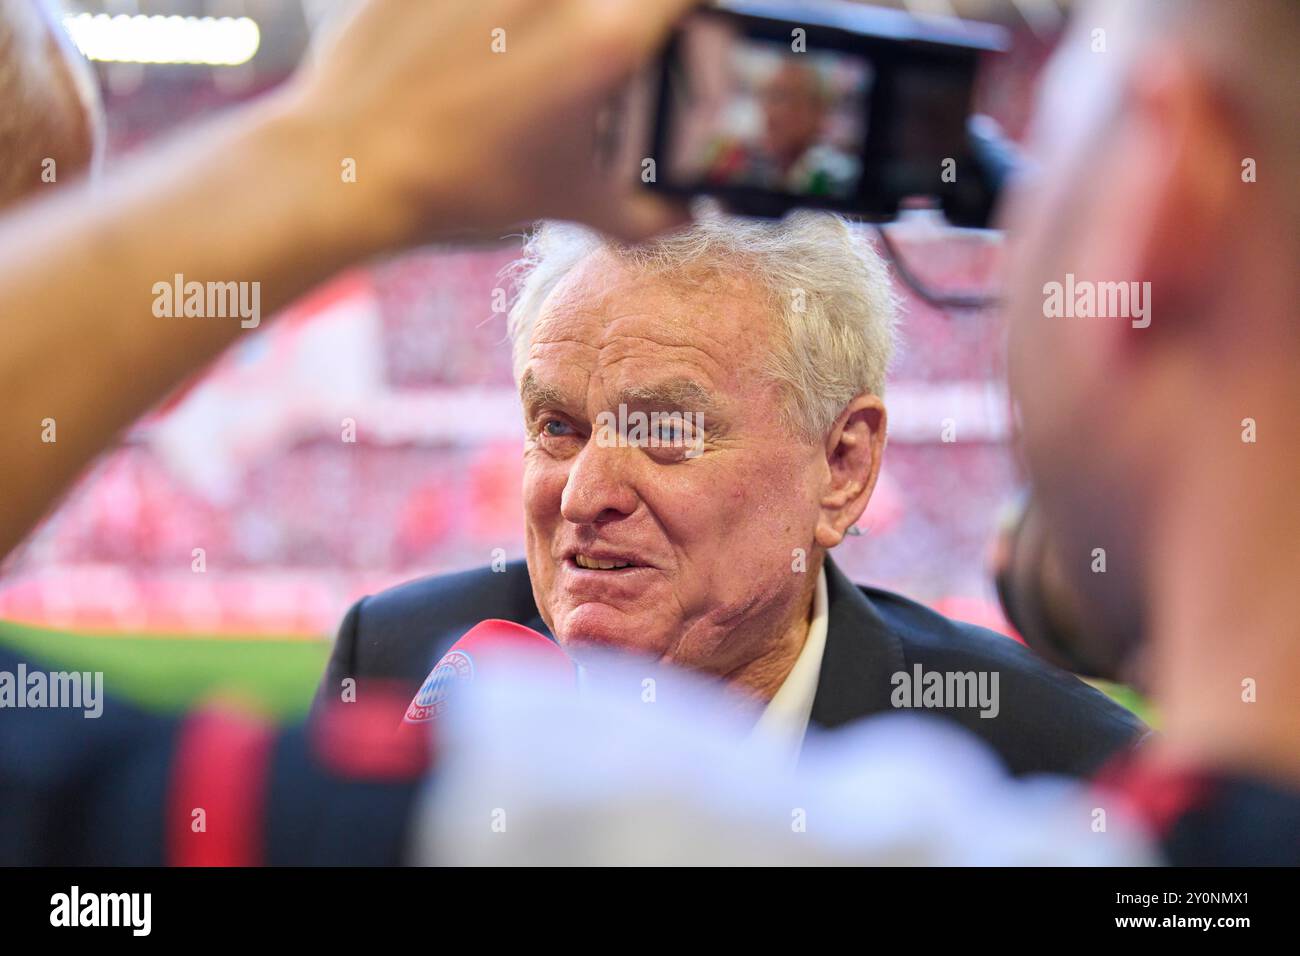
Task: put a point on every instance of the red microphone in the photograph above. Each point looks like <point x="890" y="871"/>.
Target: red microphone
<point x="487" y="648"/>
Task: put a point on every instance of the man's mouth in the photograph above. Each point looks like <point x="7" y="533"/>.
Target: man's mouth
<point x="596" y="564"/>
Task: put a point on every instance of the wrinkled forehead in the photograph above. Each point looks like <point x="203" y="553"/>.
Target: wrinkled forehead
<point x="629" y="321"/>
<point x="606" y="299"/>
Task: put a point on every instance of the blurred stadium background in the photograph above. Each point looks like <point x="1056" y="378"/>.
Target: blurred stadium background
<point x="249" y="463"/>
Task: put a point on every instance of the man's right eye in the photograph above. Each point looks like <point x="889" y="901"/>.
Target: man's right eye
<point x="554" y="428"/>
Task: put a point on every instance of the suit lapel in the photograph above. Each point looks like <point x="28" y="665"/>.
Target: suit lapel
<point x="538" y="625"/>
<point x="524" y="608"/>
<point x="861" y="654"/>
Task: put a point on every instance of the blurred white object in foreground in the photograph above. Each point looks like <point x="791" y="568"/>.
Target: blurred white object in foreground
<point x="535" y="774"/>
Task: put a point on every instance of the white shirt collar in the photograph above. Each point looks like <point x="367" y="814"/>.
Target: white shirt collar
<point x="785" y="719"/>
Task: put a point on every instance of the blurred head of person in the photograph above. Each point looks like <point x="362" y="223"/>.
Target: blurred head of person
<point x="795" y="102"/>
<point x="1154" y="330"/>
<point x="51" y="119"/>
<point x="762" y="350"/>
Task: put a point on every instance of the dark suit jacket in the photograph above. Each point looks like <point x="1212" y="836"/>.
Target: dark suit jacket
<point x="1048" y="721"/>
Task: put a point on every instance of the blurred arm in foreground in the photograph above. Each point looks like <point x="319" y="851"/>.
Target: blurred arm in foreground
<point x="447" y="137"/>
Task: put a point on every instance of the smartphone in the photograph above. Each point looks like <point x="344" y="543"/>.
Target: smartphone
<point x="773" y="106"/>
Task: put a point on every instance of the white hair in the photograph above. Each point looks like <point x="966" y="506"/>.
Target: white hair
<point x="828" y="290"/>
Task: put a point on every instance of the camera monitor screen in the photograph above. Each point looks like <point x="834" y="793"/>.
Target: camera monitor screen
<point x="751" y="113"/>
<point x="769" y="113"/>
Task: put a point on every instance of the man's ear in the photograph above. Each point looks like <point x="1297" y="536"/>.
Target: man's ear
<point x="853" y="451"/>
<point x="1171" y="199"/>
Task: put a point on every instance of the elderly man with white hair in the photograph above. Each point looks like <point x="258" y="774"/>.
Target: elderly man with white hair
<point x="705" y="423"/>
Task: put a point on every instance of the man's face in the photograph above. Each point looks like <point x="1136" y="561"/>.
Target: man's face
<point x="710" y="537"/>
<point x="793" y="111"/>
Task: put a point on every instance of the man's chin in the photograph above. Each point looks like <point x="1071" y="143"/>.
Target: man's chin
<point x="593" y="624"/>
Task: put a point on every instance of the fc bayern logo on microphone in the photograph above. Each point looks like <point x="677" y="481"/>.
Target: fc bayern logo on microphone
<point x="431" y="702"/>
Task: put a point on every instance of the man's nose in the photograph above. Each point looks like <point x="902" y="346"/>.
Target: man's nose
<point x="599" y="487"/>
